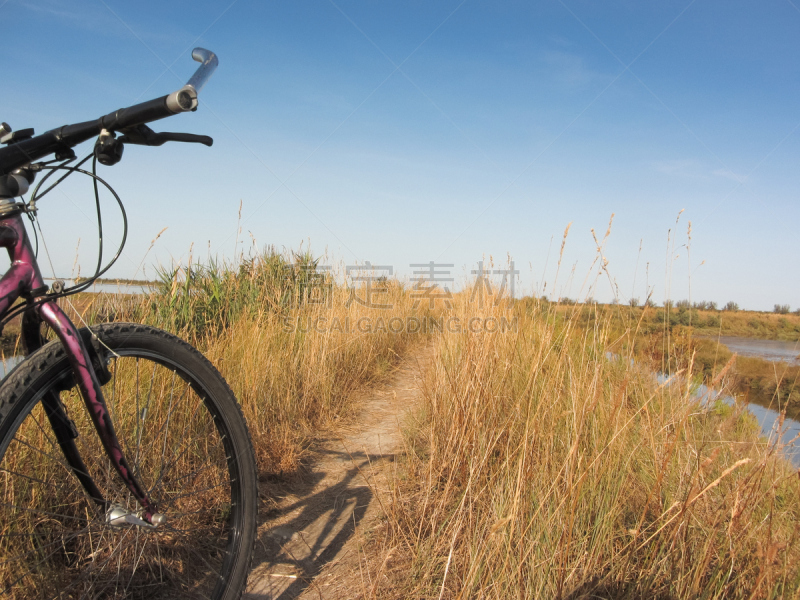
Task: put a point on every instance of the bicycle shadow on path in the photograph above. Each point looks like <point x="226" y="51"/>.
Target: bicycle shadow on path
<point x="310" y="543"/>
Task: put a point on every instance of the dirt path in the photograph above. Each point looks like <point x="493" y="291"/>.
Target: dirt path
<point x="310" y="547"/>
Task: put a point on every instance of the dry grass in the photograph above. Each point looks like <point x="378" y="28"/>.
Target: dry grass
<point x="290" y="384"/>
<point x="667" y="342"/>
<point x="545" y="468"/>
<point x="288" y="341"/>
<point x="286" y="338"/>
<point x="540" y="464"/>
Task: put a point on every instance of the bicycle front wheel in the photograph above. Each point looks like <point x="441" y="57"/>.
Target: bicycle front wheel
<point x="186" y="441"/>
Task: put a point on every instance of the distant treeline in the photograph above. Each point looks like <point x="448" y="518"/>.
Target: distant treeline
<point x="703" y="317"/>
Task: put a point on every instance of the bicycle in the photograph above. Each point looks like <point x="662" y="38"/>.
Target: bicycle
<point x="152" y="490"/>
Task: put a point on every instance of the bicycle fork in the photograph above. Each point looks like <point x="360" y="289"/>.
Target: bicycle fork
<point x="24" y="278"/>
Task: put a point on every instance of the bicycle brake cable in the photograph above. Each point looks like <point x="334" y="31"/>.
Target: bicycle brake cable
<point x="36" y="195"/>
<point x="99" y="270"/>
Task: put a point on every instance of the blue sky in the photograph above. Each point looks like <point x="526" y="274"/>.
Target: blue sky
<point x="409" y="132"/>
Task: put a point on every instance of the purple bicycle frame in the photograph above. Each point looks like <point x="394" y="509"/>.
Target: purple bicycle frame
<point x="23" y="278"/>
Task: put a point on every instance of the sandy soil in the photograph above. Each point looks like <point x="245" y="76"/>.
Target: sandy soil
<point x="311" y="545"/>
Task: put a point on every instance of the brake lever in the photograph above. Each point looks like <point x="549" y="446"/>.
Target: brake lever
<point x="191" y="138"/>
<point x="142" y="135"/>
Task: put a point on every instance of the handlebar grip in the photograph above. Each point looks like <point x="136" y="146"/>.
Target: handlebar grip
<point x="26" y="151"/>
<point x="152" y="110"/>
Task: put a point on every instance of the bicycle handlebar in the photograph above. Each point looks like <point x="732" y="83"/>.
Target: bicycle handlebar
<point x="208" y="64"/>
<point x="25" y="151"/>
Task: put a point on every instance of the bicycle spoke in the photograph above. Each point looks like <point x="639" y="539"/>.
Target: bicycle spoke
<point x="58" y="544"/>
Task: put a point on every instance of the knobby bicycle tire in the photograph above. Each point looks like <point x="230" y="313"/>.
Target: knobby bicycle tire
<point x="188" y="445"/>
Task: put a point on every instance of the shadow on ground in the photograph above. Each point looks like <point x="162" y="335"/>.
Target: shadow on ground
<point x="309" y="533"/>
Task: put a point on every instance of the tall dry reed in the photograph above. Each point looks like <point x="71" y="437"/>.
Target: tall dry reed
<point x="291" y="341"/>
<point x="543" y="466"/>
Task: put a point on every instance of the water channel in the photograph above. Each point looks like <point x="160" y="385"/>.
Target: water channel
<point x="775" y="350"/>
<point x="110" y="287"/>
<point x="768" y="417"/>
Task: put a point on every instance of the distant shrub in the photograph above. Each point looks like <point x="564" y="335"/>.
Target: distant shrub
<point x="683" y="304"/>
<point x="732" y="306"/>
<point x="781" y="309"/>
<point x="634" y="302"/>
<point x="206" y="298"/>
<point x="704" y="305"/>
